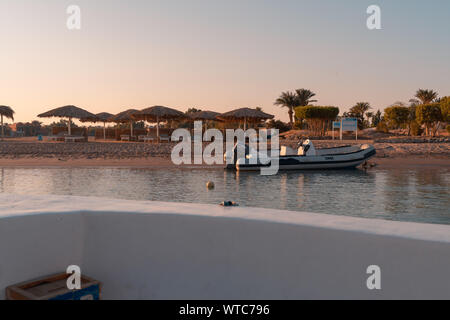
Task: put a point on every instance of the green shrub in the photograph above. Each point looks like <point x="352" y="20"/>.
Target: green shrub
<point x="318" y="118"/>
<point x="298" y="124"/>
<point x="317" y="112"/>
<point x="396" y="116"/>
<point x="429" y="115"/>
<point x="415" y="129"/>
<point x="382" y="127"/>
<point x="280" y="125"/>
<point x="444" y="104"/>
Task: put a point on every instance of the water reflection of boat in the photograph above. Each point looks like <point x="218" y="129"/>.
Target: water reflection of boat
<point x="307" y="157"/>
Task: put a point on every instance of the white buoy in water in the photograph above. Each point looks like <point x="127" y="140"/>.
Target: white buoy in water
<point x="210" y="185"/>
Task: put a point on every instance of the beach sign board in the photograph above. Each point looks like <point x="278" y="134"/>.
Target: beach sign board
<point x="349" y="124"/>
<point x="346" y="124"/>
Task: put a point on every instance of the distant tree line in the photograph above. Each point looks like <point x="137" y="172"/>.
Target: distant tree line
<point x="425" y="113"/>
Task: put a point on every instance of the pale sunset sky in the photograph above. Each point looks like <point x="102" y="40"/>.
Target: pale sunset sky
<point x="218" y="55"/>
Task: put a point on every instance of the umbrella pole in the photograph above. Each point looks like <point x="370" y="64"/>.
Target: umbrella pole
<point x="70" y="126"/>
<point x="147" y="127"/>
<point x="157" y="127"/>
<point x="104" y="130"/>
<point x="131" y="125"/>
<point x="245" y="124"/>
<point x="3" y="129"/>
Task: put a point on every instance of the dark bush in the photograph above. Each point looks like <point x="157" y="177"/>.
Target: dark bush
<point x="429" y="115"/>
<point x="280" y="125"/>
<point x="444" y="104"/>
<point x="415" y="129"/>
<point x="318" y="118"/>
<point x="396" y="116"/>
<point x="382" y="127"/>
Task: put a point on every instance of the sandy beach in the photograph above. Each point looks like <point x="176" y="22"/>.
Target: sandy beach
<point x="29" y="153"/>
<point x="166" y="163"/>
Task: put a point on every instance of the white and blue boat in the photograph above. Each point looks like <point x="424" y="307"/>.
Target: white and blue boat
<point x="306" y="157"/>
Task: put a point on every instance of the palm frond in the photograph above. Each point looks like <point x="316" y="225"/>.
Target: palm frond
<point x="7" y="112"/>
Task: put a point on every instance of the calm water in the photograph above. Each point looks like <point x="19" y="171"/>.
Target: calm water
<point x="421" y="195"/>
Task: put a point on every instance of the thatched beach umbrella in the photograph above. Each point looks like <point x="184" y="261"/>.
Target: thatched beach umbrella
<point x="204" y="116"/>
<point x="124" y="117"/>
<point x="7" y="112"/>
<point x="70" y="112"/>
<point x="158" y="114"/>
<point x="100" y="117"/>
<point x="246" y="114"/>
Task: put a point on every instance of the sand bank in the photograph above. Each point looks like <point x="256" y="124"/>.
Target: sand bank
<point x="116" y="154"/>
<point x="166" y="163"/>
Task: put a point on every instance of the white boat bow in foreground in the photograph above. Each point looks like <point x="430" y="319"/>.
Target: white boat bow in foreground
<point x="155" y="250"/>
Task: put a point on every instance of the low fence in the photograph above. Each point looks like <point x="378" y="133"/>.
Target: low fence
<point x="114" y="134"/>
<point x="77" y="131"/>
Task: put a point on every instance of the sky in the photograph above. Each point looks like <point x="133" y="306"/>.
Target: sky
<point x="218" y="55"/>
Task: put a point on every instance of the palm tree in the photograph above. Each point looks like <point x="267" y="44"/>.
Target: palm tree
<point x="288" y="100"/>
<point x="369" y="116"/>
<point x="376" y="119"/>
<point x="304" y="97"/>
<point x="414" y="102"/>
<point x="358" y="111"/>
<point x="7" y="112"/>
<point x="426" y="96"/>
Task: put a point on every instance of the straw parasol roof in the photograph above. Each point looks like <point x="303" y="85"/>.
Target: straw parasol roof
<point x="158" y="114"/>
<point x="67" y="112"/>
<point x="100" y="117"/>
<point x="246" y="114"/>
<point x="204" y="115"/>
<point x="124" y="116"/>
<point x="7" y="112"/>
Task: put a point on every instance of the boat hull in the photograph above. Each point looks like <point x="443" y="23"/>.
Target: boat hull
<point x="335" y="161"/>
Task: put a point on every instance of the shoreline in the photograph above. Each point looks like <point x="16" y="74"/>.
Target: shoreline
<point x="144" y="163"/>
<point x="33" y="154"/>
<point x="165" y="163"/>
